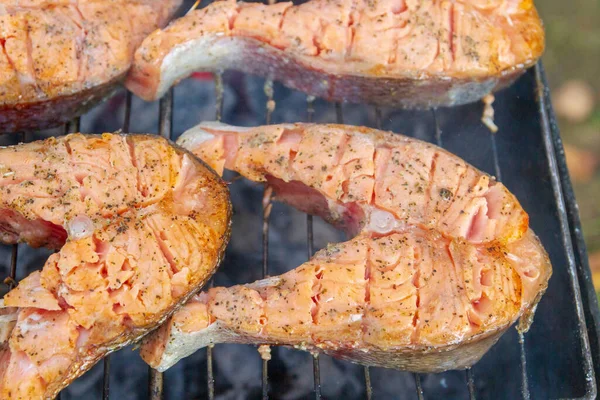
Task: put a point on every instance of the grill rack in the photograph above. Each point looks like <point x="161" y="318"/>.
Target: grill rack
<point x="584" y="299"/>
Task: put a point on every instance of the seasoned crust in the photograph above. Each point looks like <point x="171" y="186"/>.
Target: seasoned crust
<point x="423" y="55"/>
<point x="57" y="58"/>
<point x="443" y="262"/>
<point x="211" y="225"/>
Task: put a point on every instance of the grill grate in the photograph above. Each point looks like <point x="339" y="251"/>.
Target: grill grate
<point x="310" y="250"/>
<point x="542" y="93"/>
<point x="568" y="223"/>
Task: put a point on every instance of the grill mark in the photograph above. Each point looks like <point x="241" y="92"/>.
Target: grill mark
<point x="130" y="22"/>
<point x="341" y="149"/>
<point x="432" y="169"/>
<point x="415" y="282"/>
<point x="472" y="222"/>
<point x="81" y="40"/>
<point x="160" y="239"/>
<point x="438" y="49"/>
<point x="292" y="153"/>
<point x="373" y="157"/>
<point x="263" y="320"/>
<point x="109" y="48"/>
<point x="233" y="18"/>
<point x="403" y="7"/>
<point x="79" y="177"/>
<point x="317" y="36"/>
<point x="376" y="175"/>
<point x="290" y="166"/>
<point x="393" y="54"/>
<point x="10" y="61"/>
<point x="350" y="45"/>
<point x="454" y="194"/>
<point x="30" y="62"/>
<point x="41" y="6"/>
<point x="76" y="6"/>
<point x="231" y="145"/>
<point x="451" y="33"/>
<point x="517" y="283"/>
<point x="283" y="15"/>
<point x="351" y="29"/>
<point x="457" y="286"/>
<point x="8" y="231"/>
<point x="314" y="310"/>
<point x="460" y="180"/>
<point x="367" y="299"/>
<point x="131" y="151"/>
<point x="335" y="162"/>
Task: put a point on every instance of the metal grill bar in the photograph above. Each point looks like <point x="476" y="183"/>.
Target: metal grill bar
<point x="156" y="384"/>
<point x="524" y="381"/>
<point x="470" y="383"/>
<point x="367" y="371"/>
<point x="437" y="129"/>
<point x="368" y="387"/>
<point x="378" y="117"/>
<point x="265" y="230"/>
<point x="73" y="126"/>
<point x="317" y="377"/>
<point x="523" y="359"/>
<point x="439" y="142"/>
<point x="13" y="266"/>
<point x="339" y="113"/>
<point x="165" y="125"/>
<point x="310" y="108"/>
<point x="219" y="93"/>
<point x="265" y="379"/>
<point x="495" y="156"/>
<point x="310" y="250"/>
<point x="418" y="386"/>
<point x="268" y="89"/>
<point x="267" y="206"/>
<point x="210" y="380"/>
<point x="106" y="361"/>
<point x="309" y="235"/>
<point x="127" y="118"/>
<point x="165" y="115"/>
<point x="106" y="378"/>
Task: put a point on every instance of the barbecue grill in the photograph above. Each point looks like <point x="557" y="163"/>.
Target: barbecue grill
<point x="558" y="358"/>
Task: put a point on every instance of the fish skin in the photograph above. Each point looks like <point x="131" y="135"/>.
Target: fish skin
<point x="413" y="289"/>
<point x="61" y="57"/>
<point x="411" y="54"/>
<point x="139" y="224"/>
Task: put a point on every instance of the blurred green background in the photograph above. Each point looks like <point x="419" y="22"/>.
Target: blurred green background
<point x="572" y="62"/>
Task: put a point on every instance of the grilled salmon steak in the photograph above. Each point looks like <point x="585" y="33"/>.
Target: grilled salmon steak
<point x="408" y="53"/>
<point x="139" y="226"/>
<point x="59" y="57"/>
<point x="442" y="260"/>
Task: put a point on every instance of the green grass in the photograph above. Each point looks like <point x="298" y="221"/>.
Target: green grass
<point x="573" y="52"/>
